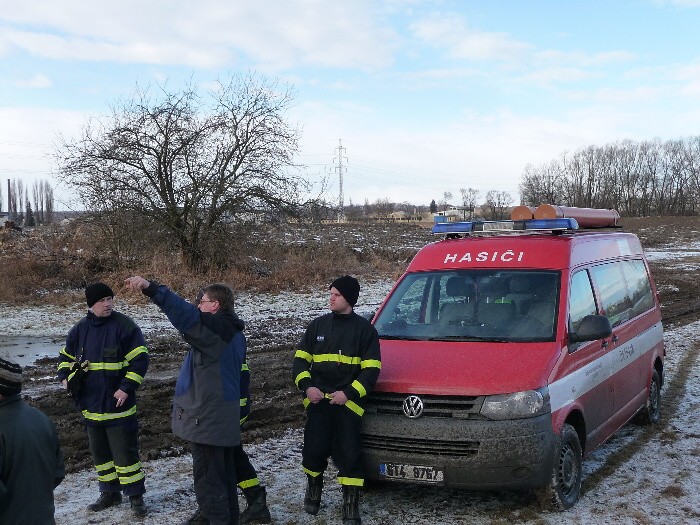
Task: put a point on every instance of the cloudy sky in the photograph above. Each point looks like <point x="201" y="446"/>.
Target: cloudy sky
<point x="427" y="96"/>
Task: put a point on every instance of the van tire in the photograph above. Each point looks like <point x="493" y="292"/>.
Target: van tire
<point x="650" y="414"/>
<point x="564" y="488"/>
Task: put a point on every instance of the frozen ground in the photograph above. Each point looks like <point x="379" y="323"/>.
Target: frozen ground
<point x="656" y="484"/>
<point x="643" y="475"/>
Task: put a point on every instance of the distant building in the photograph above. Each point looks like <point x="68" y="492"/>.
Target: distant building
<point x="399" y="215"/>
<point x="452" y="214"/>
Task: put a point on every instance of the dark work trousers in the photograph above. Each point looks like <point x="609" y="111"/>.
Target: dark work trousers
<point x="215" y="482"/>
<point x="333" y="431"/>
<point x="245" y="471"/>
<point x="115" y="452"/>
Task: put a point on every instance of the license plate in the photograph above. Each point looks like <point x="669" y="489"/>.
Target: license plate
<point x="412" y="472"/>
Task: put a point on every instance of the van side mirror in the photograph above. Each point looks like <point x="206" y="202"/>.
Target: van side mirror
<point x="592" y="328"/>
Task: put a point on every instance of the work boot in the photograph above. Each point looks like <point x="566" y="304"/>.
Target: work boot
<point x="198" y="518"/>
<point x="312" y="498"/>
<point x="106" y="500"/>
<point x="138" y="507"/>
<point x="256" y="510"/>
<point x="351" y="505"/>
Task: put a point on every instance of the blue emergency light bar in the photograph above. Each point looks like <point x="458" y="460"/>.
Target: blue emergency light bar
<point x="505" y="226"/>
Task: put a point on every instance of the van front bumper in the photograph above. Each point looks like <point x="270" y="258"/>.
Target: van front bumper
<point x="471" y="454"/>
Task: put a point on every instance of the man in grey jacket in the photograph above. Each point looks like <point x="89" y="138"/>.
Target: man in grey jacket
<point x="31" y="463"/>
<point x="206" y="405"/>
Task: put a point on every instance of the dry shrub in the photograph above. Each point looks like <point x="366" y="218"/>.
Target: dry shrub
<point x="673" y="491"/>
<point x="56" y="264"/>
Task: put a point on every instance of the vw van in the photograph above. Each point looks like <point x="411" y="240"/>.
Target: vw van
<point x="511" y="350"/>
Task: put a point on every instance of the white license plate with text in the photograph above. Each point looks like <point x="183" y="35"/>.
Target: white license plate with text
<point x="412" y="472"/>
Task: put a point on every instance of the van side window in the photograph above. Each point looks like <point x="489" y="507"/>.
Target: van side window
<point x="614" y="300"/>
<point x="581" y="299"/>
<point x="638" y="285"/>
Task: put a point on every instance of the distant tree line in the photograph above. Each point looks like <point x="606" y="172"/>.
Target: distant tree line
<point x="496" y="205"/>
<point x="635" y="178"/>
<point x="318" y="210"/>
<point x="27" y="206"/>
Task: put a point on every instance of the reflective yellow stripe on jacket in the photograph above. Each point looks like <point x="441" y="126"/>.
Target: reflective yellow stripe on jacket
<point x="110" y="416"/>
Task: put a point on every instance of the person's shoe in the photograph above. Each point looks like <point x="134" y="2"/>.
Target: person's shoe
<point x="106" y="500"/>
<point x="138" y="507"/>
<point x="257" y="511"/>
<point x="312" y="498"/>
<point x="198" y="518"/>
<point x="351" y="505"/>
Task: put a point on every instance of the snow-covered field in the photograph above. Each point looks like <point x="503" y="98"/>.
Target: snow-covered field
<point x="643" y="475"/>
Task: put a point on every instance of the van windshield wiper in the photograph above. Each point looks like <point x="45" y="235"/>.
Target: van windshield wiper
<point x="399" y="337"/>
<point x="467" y="338"/>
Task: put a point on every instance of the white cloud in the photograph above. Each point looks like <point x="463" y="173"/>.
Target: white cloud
<point x="207" y="33"/>
<point x="36" y="81"/>
<point x="450" y="32"/>
<point x="580" y="58"/>
<point x="557" y="75"/>
<point x="27" y="138"/>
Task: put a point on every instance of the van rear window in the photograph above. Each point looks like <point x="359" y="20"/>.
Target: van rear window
<point x="472" y="305"/>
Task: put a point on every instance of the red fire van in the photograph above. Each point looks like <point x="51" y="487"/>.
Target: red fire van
<point x="510" y="350"/>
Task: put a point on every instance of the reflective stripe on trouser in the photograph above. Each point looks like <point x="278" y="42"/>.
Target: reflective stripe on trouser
<point x="115" y="453"/>
<point x="215" y="482"/>
<point x="245" y="471"/>
<point x="333" y="431"/>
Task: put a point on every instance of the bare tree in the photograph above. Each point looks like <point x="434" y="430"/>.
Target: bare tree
<point x="190" y="162"/>
<point x="21" y="198"/>
<point x="38" y="197"/>
<point x="469" y="198"/>
<point x="446" y="197"/>
<point x="497" y="204"/>
<point x="12" y="200"/>
<point x="383" y="207"/>
<point x="49" y="204"/>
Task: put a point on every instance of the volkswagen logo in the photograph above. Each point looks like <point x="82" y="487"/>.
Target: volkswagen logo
<point x="413" y="407"/>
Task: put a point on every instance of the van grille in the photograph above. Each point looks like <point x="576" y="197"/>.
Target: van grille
<point x="420" y="446"/>
<point x="459" y="407"/>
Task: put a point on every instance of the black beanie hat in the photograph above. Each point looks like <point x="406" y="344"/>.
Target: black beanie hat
<point x="97" y="291"/>
<point x="10" y="378"/>
<point x="348" y="288"/>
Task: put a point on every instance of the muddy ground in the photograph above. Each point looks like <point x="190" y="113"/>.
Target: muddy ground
<point x="276" y="403"/>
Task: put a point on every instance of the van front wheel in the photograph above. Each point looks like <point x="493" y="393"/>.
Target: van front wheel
<point x="564" y="488"/>
<point x="651" y="411"/>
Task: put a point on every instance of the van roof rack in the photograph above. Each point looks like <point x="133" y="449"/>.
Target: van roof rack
<point x="546" y="217"/>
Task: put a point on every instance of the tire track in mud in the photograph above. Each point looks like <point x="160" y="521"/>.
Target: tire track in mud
<point x="674" y="391"/>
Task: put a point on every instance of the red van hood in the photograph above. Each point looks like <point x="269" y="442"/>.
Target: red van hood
<point x="459" y="368"/>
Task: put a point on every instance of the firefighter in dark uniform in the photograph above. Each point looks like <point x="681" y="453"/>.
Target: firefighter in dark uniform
<point x="112" y="349"/>
<point x="335" y="367"/>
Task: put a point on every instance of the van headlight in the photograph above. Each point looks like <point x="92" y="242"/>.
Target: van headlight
<point x="519" y="405"/>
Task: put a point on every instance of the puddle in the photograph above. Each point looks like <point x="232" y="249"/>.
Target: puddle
<point x="26" y="350"/>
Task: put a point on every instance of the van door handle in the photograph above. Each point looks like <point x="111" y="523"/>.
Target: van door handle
<point x="604" y="344"/>
<point x="614" y="339"/>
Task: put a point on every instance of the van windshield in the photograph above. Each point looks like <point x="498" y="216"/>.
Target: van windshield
<point x="472" y="305"/>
